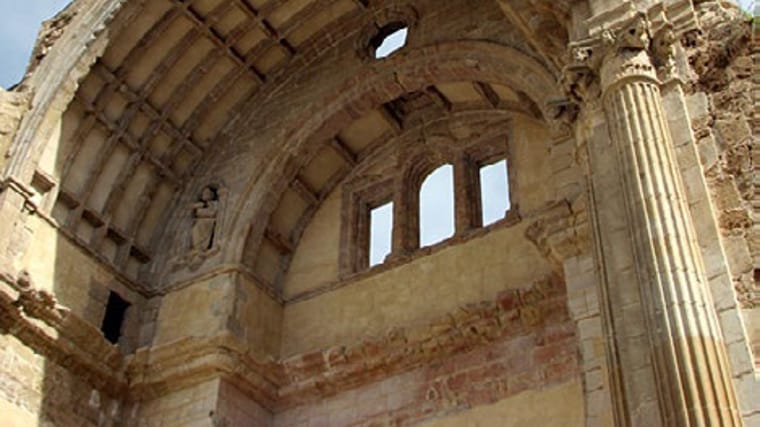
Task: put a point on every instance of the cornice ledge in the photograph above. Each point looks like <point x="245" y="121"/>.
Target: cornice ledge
<point x="156" y="371"/>
<point x="222" y="270"/>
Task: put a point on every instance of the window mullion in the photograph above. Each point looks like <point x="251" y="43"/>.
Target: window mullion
<point x="465" y="197"/>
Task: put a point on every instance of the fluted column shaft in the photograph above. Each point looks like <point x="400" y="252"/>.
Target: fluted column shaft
<point x="687" y="351"/>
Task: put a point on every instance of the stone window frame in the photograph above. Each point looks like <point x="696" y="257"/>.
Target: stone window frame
<point x="484" y="155"/>
<point x="384" y="19"/>
<point x="364" y="193"/>
<point x="406" y="213"/>
<point x="359" y="199"/>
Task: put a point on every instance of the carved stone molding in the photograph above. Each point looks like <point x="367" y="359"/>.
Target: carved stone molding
<point x="158" y="371"/>
<point x="559" y="234"/>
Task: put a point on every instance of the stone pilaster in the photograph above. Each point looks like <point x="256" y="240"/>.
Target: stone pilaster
<point x="686" y="347"/>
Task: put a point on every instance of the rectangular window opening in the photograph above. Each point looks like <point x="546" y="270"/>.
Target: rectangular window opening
<point x="113" y="319"/>
<point x="494" y="192"/>
<point x="380" y="233"/>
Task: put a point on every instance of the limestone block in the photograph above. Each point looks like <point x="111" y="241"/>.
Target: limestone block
<point x="721" y="289"/>
<point x="731" y="326"/>
<point x="740" y="358"/>
<point x="737" y="255"/>
<point x="748" y="388"/>
<point x="200" y="309"/>
<point x="708" y="152"/>
<point x="698" y="106"/>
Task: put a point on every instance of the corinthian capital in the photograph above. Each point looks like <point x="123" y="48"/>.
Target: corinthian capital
<point x="664" y="51"/>
<point x="632" y="35"/>
<point x="610" y="55"/>
<point x="636" y="45"/>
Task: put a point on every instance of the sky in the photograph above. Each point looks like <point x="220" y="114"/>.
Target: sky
<point x="19" y="22"/>
<point x="392" y="43"/>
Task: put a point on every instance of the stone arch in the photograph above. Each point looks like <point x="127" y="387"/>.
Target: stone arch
<point x="99" y="25"/>
<point x="412" y="69"/>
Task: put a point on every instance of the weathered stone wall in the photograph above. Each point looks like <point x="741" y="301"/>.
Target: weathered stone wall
<point x="237" y="409"/>
<point x="12" y="107"/>
<point x="498" y="384"/>
<point x="193" y="406"/>
<point x="477" y="355"/>
<point x="227" y="303"/>
<point x="78" y="281"/>
<point x="427" y="287"/>
<point x="34" y="390"/>
<point x="561" y="406"/>
<point x="725" y="108"/>
<point x="452" y="274"/>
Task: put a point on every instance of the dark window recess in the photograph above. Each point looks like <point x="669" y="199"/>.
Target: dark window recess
<point x="114" y="317"/>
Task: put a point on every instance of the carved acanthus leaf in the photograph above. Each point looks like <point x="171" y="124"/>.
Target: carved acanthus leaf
<point x="657" y="37"/>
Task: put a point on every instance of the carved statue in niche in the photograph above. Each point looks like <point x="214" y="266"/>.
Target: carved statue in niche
<point x="205" y="212"/>
<point x="204" y="232"/>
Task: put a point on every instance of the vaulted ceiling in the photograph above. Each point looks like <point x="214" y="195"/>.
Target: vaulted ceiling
<point x="177" y="73"/>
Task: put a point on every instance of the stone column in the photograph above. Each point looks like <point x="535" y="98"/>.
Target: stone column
<point x="686" y="347"/>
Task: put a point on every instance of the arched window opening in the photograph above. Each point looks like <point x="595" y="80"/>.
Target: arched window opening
<point x="380" y="233"/>
<point x="389" y="39"/>
<point x="437" y="206"/>
<point x="494" y="192"/>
